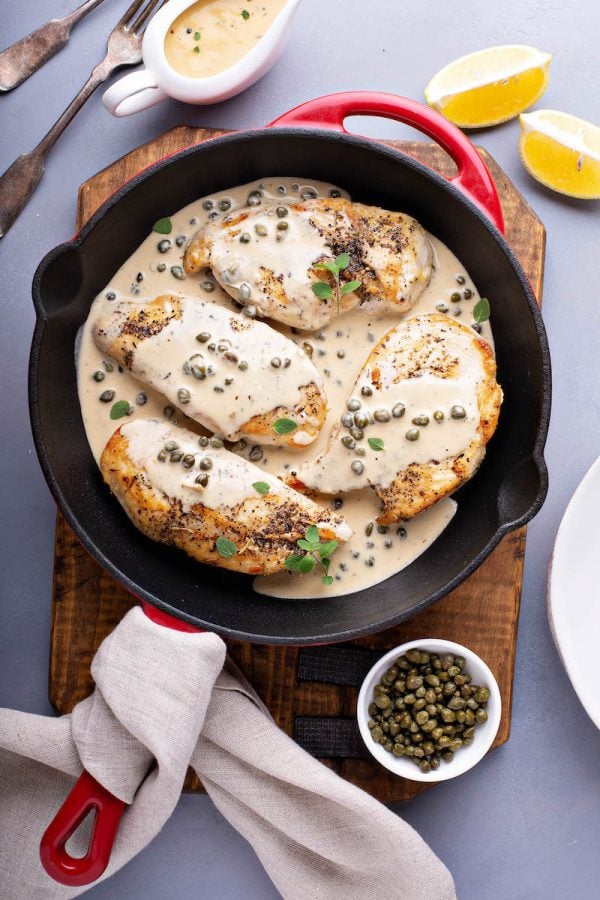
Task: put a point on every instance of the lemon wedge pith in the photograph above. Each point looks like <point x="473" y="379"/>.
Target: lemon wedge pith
<point x="562" y="152"/>
<point x="490" y="86"/>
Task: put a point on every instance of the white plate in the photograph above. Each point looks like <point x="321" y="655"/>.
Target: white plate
<point x="574" y="591"/>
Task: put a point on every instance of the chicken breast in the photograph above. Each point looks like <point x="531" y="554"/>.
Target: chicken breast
<point x="235" y="376"/>
<point x="423" y="408"/>
<point x="266" y="257"/>
<point x="186" y="495"/>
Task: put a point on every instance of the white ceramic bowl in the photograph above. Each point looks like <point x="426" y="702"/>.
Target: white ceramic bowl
<point x="466" y="757"/>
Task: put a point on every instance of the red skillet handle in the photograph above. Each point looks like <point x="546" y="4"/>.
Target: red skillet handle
<point x="473" y="176"/>
<point x="88" y="794"/>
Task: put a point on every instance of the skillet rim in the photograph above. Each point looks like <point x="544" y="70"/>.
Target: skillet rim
<point x="536" y="454"/>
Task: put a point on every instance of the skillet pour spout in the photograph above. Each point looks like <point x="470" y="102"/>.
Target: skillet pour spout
<point x="309" y="142"/>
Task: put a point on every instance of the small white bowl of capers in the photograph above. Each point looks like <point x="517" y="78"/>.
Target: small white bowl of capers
<point x="429" y="710"/>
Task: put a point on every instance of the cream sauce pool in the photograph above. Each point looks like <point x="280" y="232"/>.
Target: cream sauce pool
<point x="338" y="351"/>
<point x="212" y="35"/>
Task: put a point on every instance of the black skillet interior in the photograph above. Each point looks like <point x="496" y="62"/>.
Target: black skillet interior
<point x="506" y="492"/>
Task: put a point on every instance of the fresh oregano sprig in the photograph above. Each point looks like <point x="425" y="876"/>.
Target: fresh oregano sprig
<point x="323" y="290"/>
<point x="316" y="551"/>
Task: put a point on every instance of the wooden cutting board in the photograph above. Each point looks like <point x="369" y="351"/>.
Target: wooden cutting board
<point x="311" y="692"/>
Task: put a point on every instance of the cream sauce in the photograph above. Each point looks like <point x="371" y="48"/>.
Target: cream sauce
<point x="338" y="351"/>
<point x="212" y="35"/>
<point x="195" y="360"/>
<point x="230" y="477"/>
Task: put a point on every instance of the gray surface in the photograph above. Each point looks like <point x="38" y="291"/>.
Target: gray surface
<point x="526" y="822"/>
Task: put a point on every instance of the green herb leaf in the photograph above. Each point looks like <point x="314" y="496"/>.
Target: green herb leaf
<point x="245" y="14"/>
<point x="306" y="545"/>
<point x="350" y="286"/>
<point x="481" y="310"/>
<point x="163" y="226"/>
<point x="327" y="549"/>
<point x="312" y="534"/>
<point x="342" y="261"/>
<point x="261" y="486"/>
<point x="375" y="443"/>
<point x="196" y="49"/>
<point x="306" y="565"/>
<point x="225" y="547"/>
<point x="325" y="563"/>
<point x="284" y="426"/>
<point x="292" y="563"/>
<point x="322" y="290"/>
<point x="328" y="267"/>
<point x="327" y="579"/>
<point x="197" y="35"/>
<point x="119" y="409"/>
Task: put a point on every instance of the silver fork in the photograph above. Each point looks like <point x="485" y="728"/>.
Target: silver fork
<point x="124" y="49"/>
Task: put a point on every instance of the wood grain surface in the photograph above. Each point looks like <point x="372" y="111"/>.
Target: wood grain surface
<point x="482" y="613"/>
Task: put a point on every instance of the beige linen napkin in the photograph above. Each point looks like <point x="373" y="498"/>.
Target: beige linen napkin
<point x="161" y="702"/>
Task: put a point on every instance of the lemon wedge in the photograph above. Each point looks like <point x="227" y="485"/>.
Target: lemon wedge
<point x="489" y="86"/>
<point x="562" y="152"/>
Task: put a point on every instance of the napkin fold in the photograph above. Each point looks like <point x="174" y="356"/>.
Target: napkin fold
<point x="162" y="701"/>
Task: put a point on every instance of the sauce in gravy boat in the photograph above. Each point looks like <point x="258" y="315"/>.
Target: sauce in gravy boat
<point x="204" y="51"/>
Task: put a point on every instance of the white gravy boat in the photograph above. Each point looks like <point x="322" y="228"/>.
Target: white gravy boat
<point x="158" y="80"/>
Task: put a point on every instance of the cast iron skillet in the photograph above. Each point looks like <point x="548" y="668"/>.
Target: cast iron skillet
<point x="309" y="142"/>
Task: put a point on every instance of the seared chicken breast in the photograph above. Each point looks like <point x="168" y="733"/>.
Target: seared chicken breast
<point x="266" y="257"/>
<point x="186" y="495"/>
<point x="423" y="408"/>
<point x="235" y="376"/>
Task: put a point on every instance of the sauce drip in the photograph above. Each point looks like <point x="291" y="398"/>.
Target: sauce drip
<point x="338" y="351"/>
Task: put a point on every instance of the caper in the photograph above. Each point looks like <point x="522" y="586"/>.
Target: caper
<point x="276" y="362"/>
<point x="141" y="399"/>
<point x="244" y="238"/>
<point x="455" y="297"/>
<point x="183" y="396"/>
<point x="467" y="293"/>
<point x="361" y="420"/>
<point x="366" y="391"/>
<point x="420" y="420"/>
<point x="254" y="198"/>
<point x="308" y="349"/>
<point x="207" y="285"/>
<point x="161" y="456"/>
<point x="441" y="307"/>
<point x="206" y="463"/>
<point x="460" y="279"/>
<point x="98" y="376"/>
<point x="438" y="415"/>
<point x="208" y="205"/>
<point x="347" y="420"/>
<point x="349" y="442"/>
<point x="188" y="460"/>
<point x="203" y="337"/>
<point x="282" y="212"/>
<point x="256" y="453"/>
<point x="369" y="529"/>
<point x="476" y="327"/>
<point x="107" y="396"/>
<point x="357" y="467"/>
<point x="412" y="434"/>
<point x="398" y="410"/>
<point x="164" y="246"/>
<point x="111" y="295"/>
<point x="381" y="415"/>
<point x="177" y="272"/>
<point x="201" y="479"/>
<point x="282" y="226"/>
<point x="308" y="194"/>
<point x="176" y="456"/>
<point x="250" y="311"/>
<point x="353" y="404"/>
<point x="224" y="205"/>
<point x="261" y="229"/>
<point x="357" y="433"/>
<point x="180" y="240"/>
<point x="161" y="267"/>
<point x="458" y="412"/>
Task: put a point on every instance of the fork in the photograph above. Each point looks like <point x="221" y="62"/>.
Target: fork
<point x="124" y="49"/>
